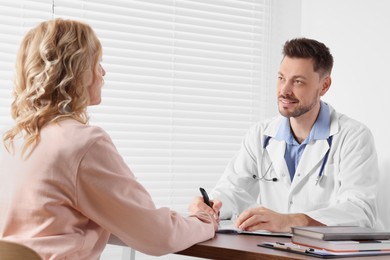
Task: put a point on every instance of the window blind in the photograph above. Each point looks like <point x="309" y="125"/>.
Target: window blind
<point x="185" y="80"/>
<point x="16" y="17"/>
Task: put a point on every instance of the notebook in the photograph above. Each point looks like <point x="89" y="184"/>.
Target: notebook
<point x="227" y="226"/>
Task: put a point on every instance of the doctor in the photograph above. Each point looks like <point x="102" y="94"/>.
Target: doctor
<point x="309" y="166"/>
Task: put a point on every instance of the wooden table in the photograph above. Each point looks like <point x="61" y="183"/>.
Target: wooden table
<point x="244" y="247"/>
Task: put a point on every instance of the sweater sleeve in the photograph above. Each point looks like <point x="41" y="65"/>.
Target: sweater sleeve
<point x="108" y="193"/>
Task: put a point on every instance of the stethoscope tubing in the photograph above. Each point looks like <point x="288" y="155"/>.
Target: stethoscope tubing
<point x="320" y="173"/>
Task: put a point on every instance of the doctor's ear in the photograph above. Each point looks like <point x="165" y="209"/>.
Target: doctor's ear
<point x="326" y="82"/>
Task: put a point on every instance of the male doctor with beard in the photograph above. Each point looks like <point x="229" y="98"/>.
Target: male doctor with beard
<point x="309" y="166"/>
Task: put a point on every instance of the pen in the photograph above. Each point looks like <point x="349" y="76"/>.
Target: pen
<point x="292" y="247"/>
<point x="205" y="197"/>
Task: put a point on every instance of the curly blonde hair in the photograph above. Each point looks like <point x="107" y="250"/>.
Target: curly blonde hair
<point x="53" y="64"/>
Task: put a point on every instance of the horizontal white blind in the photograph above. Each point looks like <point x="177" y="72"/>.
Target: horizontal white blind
<point x="183" y="84"/>
<point x="16" y="17"/>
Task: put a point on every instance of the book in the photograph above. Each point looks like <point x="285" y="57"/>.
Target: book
<point x="227" y="227"/>
<point x="342" y="245"/>
<point x="341" y="233"/>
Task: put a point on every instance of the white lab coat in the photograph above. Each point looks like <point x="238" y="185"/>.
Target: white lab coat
<point x="345" y="195"/>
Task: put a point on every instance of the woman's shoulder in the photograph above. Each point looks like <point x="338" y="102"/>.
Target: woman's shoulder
<point x="80" y="128"/>
<point x="72" y="132"/>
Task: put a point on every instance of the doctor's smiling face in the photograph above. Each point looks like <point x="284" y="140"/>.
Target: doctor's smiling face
<point x="299" y="87"/>
<point x="304" y="76"/>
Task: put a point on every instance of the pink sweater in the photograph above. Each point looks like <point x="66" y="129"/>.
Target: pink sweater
<point x="74" y="190"/>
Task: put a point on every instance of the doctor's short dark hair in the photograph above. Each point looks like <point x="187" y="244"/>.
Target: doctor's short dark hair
<point x="310" y="49"/>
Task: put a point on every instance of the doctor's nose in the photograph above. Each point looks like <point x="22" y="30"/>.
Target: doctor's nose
<point x="285" y="88"/>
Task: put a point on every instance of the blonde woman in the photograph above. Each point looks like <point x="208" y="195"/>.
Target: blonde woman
<point x="64" y="186"/>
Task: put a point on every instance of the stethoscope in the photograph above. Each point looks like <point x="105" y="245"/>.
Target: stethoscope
<point x="263" y="176"/>
<point x="274" y="179"/>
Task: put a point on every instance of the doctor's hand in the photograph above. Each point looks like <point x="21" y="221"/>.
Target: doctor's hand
<point x="261" y="218"/>
<point x="199" y="205"/>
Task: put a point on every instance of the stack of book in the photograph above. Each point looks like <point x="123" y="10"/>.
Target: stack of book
<point x="341" y="238"/>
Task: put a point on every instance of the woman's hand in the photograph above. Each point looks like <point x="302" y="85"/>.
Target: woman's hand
<point x="199" y="205"/>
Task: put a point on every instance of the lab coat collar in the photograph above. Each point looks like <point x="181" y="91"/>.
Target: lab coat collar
<point x="319" y="131"/>
<point x="313" y="154"/>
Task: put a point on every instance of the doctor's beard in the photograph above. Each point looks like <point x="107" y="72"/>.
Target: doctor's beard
<point x="298" y="111"/>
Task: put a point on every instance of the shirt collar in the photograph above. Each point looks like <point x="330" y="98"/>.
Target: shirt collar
<point x="320" y="129"/>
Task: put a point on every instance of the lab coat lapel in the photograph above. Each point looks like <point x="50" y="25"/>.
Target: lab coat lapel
<point x="310" y="161"/>
<point x="276" y="150"/>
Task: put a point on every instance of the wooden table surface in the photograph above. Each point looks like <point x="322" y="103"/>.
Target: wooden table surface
<point x="244" y="247"/>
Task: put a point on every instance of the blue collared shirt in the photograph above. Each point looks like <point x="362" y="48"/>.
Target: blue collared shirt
<point x="294" y="150"/>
